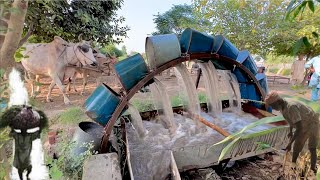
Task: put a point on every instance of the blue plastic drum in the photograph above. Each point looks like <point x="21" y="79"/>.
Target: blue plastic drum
<point x="224" y="47"/>
<point x="131" y="70"/>
<point x="101" y="104"/>
<point x="192" y="41"/>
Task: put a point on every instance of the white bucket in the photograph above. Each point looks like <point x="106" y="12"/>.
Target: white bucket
<point x="161" y="49"/>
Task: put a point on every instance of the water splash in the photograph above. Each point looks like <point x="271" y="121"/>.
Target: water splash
<point x="159" y="140"/>
<point x="136" y="121"/>
<point x="162" y="103"/>
<point x="211" y="80"/>
<point x="18" y="93"/>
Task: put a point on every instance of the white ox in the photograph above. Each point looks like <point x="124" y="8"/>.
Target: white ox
<point x="51" y="59"/>
<point x="105" y="64"/>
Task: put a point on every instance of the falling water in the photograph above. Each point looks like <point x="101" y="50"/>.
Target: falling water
<point x="162" y="103"/>
<point x="19" y="96"/>
<point x="184" y="78"/>
<point x="225" y="82"/>
<point x="18" y="93"/>
<point x="189" y="87"/>
<point x="236" y="90"/>
<point x="136" y="121"/>
<point x="210" y="78"/>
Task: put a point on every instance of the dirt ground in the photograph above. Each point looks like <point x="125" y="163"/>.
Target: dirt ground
<point x="266" y="167"/>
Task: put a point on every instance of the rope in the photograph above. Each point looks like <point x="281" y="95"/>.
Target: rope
<point x="74" y="51"/>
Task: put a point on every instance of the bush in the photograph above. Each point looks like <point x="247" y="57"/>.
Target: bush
<point x="143" y="105"/>
<point x="273" y="70"/>
<point x="286" y="72"/>
<point x="68" y="166"/>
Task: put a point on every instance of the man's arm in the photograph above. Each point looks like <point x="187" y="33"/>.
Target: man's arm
<point x="297" y="133"/>
<point x="295" y="119"/>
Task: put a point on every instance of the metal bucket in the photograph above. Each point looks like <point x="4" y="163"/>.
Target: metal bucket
<point x="225" y="47"/>
<point x="101" y="104"/>
<point x="131" y="70"/>
<point x="161" y="49"/>
<point x="87" y="132"/>
<point x="193" y="41"/>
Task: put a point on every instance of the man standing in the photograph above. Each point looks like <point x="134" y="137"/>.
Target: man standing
<point x="306" y="124"/>
<point x="297" y="70"/>
<point x="314" y="83"/>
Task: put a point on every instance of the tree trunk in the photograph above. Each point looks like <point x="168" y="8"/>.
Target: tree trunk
<point x="13" y="35"/>
<point x="303" y="83"/>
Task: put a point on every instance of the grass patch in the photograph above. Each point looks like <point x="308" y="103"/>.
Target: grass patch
<point x="143" y="105"/>
<point x="202" y="97"/>
<point x="72" y="115"/>
<point x="178" y="101"/>
<point x="35" y="103"/>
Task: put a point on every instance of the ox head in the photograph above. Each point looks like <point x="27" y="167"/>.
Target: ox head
<point x="101" y="58"/>
<point x="84" y="53"/>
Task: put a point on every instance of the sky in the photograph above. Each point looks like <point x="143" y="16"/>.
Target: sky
<point x="139" y="18"/>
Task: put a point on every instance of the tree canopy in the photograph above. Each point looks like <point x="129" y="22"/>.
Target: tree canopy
<point x="93" y="20"/>
<point x="248" y="24"/>
<point x="258" y="26"/>
<point x="178" y="18"/>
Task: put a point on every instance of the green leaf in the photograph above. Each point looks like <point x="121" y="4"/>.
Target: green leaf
<point x="18" y="55"/>
<point x="311" y="5"/>
<point x="315" y="34"/>
<point x="262" y="121"/>
<point x="297" y="46"/>
<point x="55" y="172"/>
<point x="227" y="149"/>
<point x="262" y="145"/>
<point x="289" y="8"/>
<point x="2" y="71"/>
<point x="306" y="42"/>
<point x="318" y="171"/>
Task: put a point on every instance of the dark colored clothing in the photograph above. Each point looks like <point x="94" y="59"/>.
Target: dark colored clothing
<point x="294" y="112"/>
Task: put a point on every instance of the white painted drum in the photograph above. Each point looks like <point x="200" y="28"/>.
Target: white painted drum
<point x="161" y="49"/>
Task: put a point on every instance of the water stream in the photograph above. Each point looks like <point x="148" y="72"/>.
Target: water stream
<point x="18" y="93"/>
<point x="136" y="121"/>
<point x="211" y="81"/>
<point x="189" y="88"/>
<point x="163" y="105"/>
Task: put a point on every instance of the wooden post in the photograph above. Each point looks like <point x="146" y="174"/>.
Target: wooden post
<point x="211" y="125"/>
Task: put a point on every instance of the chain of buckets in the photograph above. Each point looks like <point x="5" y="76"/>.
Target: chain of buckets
<point x="161" y="49"/>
